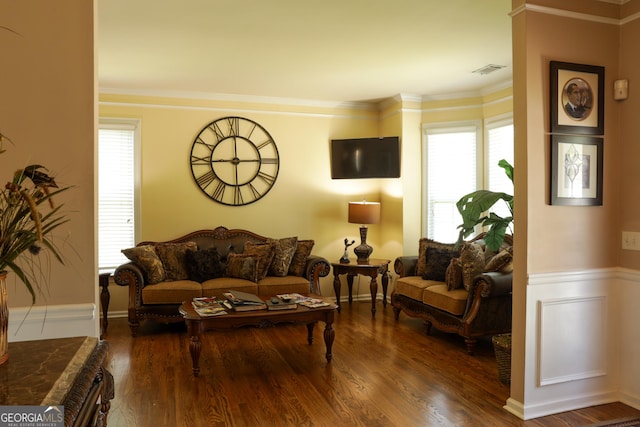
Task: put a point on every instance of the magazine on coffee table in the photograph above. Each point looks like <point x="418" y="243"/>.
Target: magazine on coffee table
<point x="303" y="300"/>
<point x="313" y="303"/>
<point x="208" y="306"/>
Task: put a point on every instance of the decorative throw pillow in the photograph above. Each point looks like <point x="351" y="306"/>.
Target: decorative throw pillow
<point x="502" y="261"/>
<point x="241" y="266"/>
<point x="437" y="261"/>
<point x="472" y="259"/>
<point x="263" y="253"/>
<point x="284" y="250"/>
<point x="299" y="260"/>
<point x="172" y="257"/>
<point x="145" y="256"/>
<point x="424" y="243"/>
<point x="204" y="264"/>
<point x="453" y="275"/>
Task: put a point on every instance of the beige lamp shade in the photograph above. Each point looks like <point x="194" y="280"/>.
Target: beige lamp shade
<point x="364" y="212"/>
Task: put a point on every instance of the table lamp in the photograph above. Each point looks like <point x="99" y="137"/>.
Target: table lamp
<point x="364" y="213"/>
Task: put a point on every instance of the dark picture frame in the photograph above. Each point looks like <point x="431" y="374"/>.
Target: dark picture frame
<point x="576" y="170"/>
<point x="577" y="98"/>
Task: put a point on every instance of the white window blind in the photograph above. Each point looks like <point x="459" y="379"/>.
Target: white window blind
<point x="451" y="173"/>
<point x="116" y="193"/>
<point x="500" y="146"/>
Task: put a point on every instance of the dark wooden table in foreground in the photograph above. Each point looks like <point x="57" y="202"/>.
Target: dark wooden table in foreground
<point x="262" y="318"/>
<point x="68" y="371"/>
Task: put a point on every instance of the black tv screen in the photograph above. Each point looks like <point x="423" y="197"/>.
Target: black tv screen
<point x="365" y="158"/>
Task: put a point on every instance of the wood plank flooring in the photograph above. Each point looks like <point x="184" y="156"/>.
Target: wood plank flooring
<point x="383" y="373"/>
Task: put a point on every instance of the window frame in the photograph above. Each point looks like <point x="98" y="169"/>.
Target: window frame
<point x="440" y="128"/>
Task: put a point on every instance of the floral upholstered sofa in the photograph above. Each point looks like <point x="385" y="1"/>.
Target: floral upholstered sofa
<point x="465" y="291"/>
<point x="162" y="275"/>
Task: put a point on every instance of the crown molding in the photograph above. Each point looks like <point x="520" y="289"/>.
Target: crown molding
<point x="577" y="15"/>
<point x="239" y="98"/>
<point x="618" y="2"/>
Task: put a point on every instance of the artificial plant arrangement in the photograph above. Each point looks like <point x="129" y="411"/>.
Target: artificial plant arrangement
<point x="27" y="218"/>
<point x="474" y="209"/>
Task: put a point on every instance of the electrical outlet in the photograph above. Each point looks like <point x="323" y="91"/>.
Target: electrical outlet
<point x="631" y="240"/>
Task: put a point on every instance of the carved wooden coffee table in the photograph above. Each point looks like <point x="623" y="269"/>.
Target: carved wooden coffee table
<point x="310" y="316"/>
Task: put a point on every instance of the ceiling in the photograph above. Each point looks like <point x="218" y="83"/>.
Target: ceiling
<point x="330" y="50"/>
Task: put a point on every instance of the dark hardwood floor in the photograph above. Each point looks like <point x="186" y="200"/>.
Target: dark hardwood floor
<point x="383" y="373"/>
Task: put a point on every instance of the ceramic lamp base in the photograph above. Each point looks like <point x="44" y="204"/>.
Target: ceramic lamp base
<point x="363" y="250"/>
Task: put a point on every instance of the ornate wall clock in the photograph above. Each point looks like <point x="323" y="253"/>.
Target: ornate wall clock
<point x="234" y="161"/>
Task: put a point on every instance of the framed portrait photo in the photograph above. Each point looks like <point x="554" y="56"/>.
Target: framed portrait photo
<point x="577" y="98"/>
<point x="576" y="170"/>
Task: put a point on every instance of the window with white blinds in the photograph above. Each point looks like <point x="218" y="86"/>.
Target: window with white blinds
<point x="499" y="146"/>
<point x="117" y="143"/>
<point x="451" y="166"/>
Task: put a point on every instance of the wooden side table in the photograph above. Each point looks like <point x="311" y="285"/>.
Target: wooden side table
<point x="105" y="297"/>
<point x="372" y="268"/>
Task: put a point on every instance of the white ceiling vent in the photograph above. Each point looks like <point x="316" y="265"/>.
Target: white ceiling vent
<point x="487" y="69"/>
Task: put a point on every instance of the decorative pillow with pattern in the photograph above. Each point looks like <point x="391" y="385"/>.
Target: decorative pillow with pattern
<point x="172" y="257"/>
<point x="424" y="243"/>
<point x="284" y="250"/>
<point x="472" y="259"/>
<point x="242" y="266"/>
<point x="205" y="264"/>
<point x="147" y="258"/>
<point x="453" y="275"/>
<point x="299" y="260"/>
<point x="263" y="253"/>
<point x="502" y="261"/>
<point x="437" y="261"/>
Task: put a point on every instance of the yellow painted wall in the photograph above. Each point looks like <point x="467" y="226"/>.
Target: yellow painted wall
<point x="47" y="108"/>
<point x="304" y="201"/>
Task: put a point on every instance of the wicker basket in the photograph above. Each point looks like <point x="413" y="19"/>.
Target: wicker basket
<point x="502" y="348"/>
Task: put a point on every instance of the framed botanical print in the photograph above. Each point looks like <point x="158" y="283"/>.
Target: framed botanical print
<point x="576" y="170"/>
<point x="577" y="98"/>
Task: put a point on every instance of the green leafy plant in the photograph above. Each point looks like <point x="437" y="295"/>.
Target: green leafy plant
<point x="474" y="209"/>
<point x="27" y="218"/>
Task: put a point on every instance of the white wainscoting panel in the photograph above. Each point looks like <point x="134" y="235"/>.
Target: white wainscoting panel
<point x="629" y="289"/>
<point x="49" y="322"/>
<point x="571" y="342"/>
<point x="573" y="339"/>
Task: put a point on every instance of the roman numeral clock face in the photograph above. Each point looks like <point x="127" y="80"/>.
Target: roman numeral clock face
<point x="234" y="161"/>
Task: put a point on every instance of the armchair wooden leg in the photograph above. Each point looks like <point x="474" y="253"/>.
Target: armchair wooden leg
<point x="427" y="327"/>
<point x="134" y="328"/>
<point x="471" y="345"/>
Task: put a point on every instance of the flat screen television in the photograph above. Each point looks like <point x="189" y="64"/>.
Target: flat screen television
<point x="365" y="158"/>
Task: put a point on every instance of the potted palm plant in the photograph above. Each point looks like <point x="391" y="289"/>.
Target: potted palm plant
<point x="27" y="218"/>
<point x="475" y="210"/>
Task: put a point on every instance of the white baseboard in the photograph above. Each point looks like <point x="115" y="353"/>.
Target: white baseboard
<point x="631" y="400"/>
<point x="117" y="314"/>
<point x="542" y="409"/>
<point x="49" y="322"/>
<point x="515" y="407"/>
